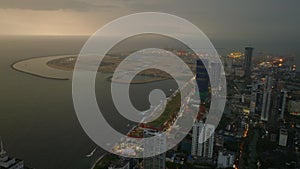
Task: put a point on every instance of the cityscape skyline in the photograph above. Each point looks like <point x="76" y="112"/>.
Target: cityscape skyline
<point x="137" y="84"/>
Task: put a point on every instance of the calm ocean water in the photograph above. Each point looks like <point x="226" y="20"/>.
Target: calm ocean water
<point x="37" y="118"/>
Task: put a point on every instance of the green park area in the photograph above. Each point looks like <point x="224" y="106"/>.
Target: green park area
<point x="172" y="107"/>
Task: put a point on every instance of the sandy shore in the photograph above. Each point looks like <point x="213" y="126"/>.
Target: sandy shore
<point x="59" y="68"/>
<point x="38" y="67"/>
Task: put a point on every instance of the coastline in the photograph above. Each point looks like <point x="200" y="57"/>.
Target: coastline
<point x="33" y="74"/>
<point x="40" y="67"/>
<point x="150" y="80"/>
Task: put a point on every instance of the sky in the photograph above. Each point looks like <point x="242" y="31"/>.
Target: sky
<point x="271" y="26"/>
<point x="236" y="19"/>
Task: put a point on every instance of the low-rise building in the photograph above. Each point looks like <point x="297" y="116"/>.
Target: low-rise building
<point x="225" y="159"/>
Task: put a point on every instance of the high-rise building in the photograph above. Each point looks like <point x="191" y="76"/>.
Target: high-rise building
<point x="267" y="97"/>
<point x="256" y="97"/>
<point x="202" y="140"/>
<point x="7" y="162"/>
<point x="196" y="147"/>
<point x="283" y="136"/>
<point x="227" y="63"/>
<point x="215" y="71"/>
<point x="202" y="79"/>
<point x="248" y="61"/>
<point x="282" y="103"/>
<point x="154" y="147"/>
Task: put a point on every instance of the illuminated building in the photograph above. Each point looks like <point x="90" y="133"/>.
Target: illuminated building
<point x="293" y="73"/>
<point x="235" y="55"/>
<point x="293" y="68"/>
<point x="248" y="61"/>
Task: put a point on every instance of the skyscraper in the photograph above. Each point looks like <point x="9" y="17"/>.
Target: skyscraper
<point x="215" y="70"/>
<point x="267" y="96"/>
<point x="196" y="147"/>
<point x="256" y="97"/>
<point x="248" y="61"/>
<point x="202" y="140"/>
<point x="154" y="147"/>
<point x="202" y="80"/>
<point x="282" y="103"/>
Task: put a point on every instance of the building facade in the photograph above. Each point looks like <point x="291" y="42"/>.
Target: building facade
<point x="153" y="147"/>
<point x="215" y="74"/>
<point x="202" y="140"/>
<point x="283" y="136"/>
<point x="267" y="97"/>
<point x="202" y="79"/>
<point x="282" y="103"/>
<point x="225" y="159"/>
<point x="248" y="61"/>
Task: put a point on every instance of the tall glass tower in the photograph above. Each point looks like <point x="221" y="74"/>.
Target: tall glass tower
<point x="202" y="80"/>
<point x="248" y="61"/>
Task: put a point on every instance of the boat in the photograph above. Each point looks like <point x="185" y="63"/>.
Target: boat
<point x="92" y="153"/>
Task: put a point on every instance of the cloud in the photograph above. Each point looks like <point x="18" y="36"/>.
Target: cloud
<point x="230" y="19"/>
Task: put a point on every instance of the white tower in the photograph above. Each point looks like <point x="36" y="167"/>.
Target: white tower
<point x="155" y="147"/>
<point x="203" y="140"/>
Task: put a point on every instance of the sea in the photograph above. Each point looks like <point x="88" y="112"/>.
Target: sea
<point x="38" y="123"/>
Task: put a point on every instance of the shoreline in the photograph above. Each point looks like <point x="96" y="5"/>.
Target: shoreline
<point x="36" y="75"/>
<point x="39" y="67"/>
<point x="137" y="82"/>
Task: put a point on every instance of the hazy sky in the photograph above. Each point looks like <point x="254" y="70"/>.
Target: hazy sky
<point x="274" y="19"/>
